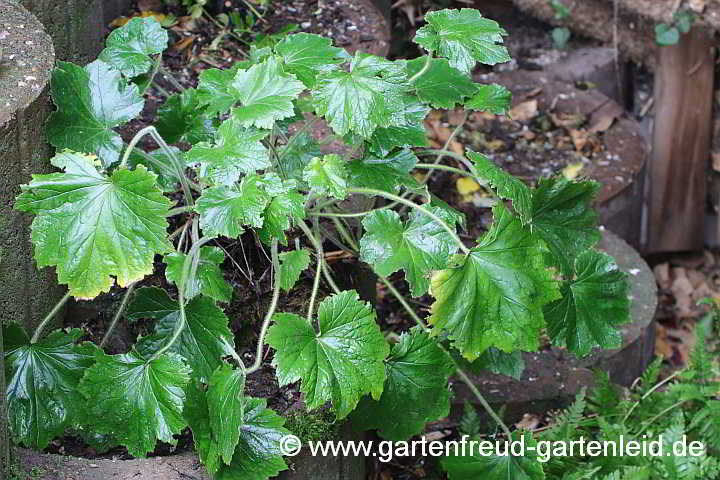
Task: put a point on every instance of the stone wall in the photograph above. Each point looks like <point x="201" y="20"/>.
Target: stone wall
<point x="26" y="294"/>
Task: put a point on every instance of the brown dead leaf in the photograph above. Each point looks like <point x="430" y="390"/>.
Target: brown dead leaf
<point x="696" y="277"/>
<point x="528" y="135"/>
<point x="568" y="120"/>
<point x="529" y="421"/>
<point x="522" y="112"/>
<point x="183" y="44"/>
<point x="601" y="124"/>
<point x="682" y="290"/>
<point x="716" y="161"/>
<point x="457" y="147"/>
<point x="495" y="145"/>
<point x="697" y="6"/>
<point x="663" y="348"/>
<point x="442" y="134"/>
<point x="579" y="138"/>
<point x="662" y="275"/>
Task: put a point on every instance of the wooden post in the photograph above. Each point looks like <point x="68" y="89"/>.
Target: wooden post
<point x="681" y="144"/>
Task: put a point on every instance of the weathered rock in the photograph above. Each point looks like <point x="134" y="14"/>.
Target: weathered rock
<point x="553" y="376"/>
<point x="76" y="26"/>
<point x="27" y="293"/>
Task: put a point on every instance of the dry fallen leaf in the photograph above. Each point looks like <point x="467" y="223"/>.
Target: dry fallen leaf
<point x="495" y="145"/>
<point x="522" y="112"/>
<point x="529" y="421"/>
<point x="568" y="120"/>
<point x="662" y="275"/>
<point x="579" y="138"/>
<point x="457" y="147"/>
<point x="697" y="6"/>
<point x="601" y="123"/>
<point x="572" y="171"/>
<point x="183" y="44"/>
<point x="716" y="161"/>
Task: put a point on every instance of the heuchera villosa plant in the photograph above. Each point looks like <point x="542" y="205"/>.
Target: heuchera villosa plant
<point x="101" y="220"/>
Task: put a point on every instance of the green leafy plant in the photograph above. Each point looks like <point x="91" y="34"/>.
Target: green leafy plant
<point x="560" y="35"/>
<point x="667" y="34"/>
<point x="102" y="219"/>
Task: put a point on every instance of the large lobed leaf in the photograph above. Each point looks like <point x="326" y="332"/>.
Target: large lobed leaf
<point x="418" y="246"/>
<point x="464" y="37"/>
<point x="306" y="55"/>
<point x="563" y="216"/>
<point x="91" y="226"/>
<point x="292" y="264"/>
<point x="130" y="46"/>
<point x="327" y="176"/>
<point x="416" y="389"/>
<point x="182" y="119"/>
<point x="494" y="296"/>
<point x="235" y="151"/>
<point x="90" y="102"/>
<point x="265" y="93"/>
<point x="593" y="303"/>
<point x="340" y="362"/>
<point x="42" y="380"/>
<point x="257" y="454"/>
<point x="441" y="85"/>
<point x="389" y="174"/>
<point x="363" y="99"/>
<point x="137" y="401"/>
<point x="492" y="98"/>
<point x="204" y="340"/>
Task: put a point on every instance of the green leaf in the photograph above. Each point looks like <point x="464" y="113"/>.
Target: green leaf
<point x="196" y="414"/>
<point x="406" y="128"/>
<point x="42" y="379"/>
<point x="562" y="215"/>
<point x="505" y="185"/>
<point x="258" y="455"/>
<point x="341" y="362"/>
<point x="203" y="342"/>
<point x="215" y="88"/>
<point x="327" y="176"/>
<point x="137" y="401"/>
<point x="464" y="37"/>
<point x="388" y="174"/>
<point x="561" y="37"/>
<point x="441" y="85"/>
<point x="496" y="467"/>
<point x="501" y="363"/>
<point x="235" y="150"/>
<point x="91" y="226"/>
<point x="494" y="296"/>
<point x="181" y="119"/>
<point x="416" y="389"/>
<point x="226" y="408"/>
<point x="459" y="217"/>
<point x="666" y="35"/>
<point x="91" y="101"/>
<point x="225" y="210"/>
<point x="297" y="155"/>
<point x="265" y="93"/>
<point x="491" y="98"/>
<point x="363" y="99"/>
<point x="306" y="55"/>
<point x="128" y="47"/>
<point x="418" y="246"/>
<point x="592" y="304"/>
<point x="208" y="280"/>
<point x="287" y="204"/>
<point x="292" y="264"/>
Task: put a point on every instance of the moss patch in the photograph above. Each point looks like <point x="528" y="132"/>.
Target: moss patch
<point x="312" y="426"/>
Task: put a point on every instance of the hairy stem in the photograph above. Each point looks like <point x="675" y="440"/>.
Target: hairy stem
<point x="156" y="67"/>
<point x="118" y="314"/>
<point x="131" y="146"/>
<point x="182" y="285"/>
<point x="178" y="210"/>
<point x="321" y="254"/>
<point x="179" y="167"/>
<point x="447" y="168"/>
<point x="271" y="309"/>
<point x="424" y="70"/>
<point x="408" y="203"/>
<point x="49" y="317"/>
<point x="315" y="288"/>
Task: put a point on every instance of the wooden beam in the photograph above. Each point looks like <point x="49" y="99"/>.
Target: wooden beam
<point x="681" y="144"/>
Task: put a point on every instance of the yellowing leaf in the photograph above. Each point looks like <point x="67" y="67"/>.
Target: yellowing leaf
<point x="572" y="171"/>
<point x="466" y="186"/>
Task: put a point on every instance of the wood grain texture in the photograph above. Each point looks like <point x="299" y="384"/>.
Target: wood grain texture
<point x="681" y="144"/>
